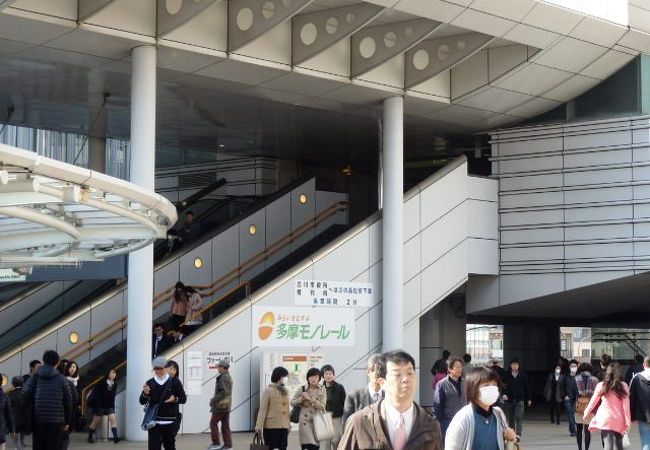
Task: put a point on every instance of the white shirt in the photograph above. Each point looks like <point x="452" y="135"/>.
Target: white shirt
<point x="373" y="393"/>
<point x="162" y="381"/>
<point x="393" y="420"/>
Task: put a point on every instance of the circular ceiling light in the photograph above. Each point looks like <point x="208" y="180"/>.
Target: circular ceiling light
<point x="252" y="229"/>
<point x="74" y="337"/>
<point x="303" y="199"/>
<point x="198" y="263"/>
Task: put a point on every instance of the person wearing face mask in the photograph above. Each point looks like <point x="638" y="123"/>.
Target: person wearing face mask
<point x="568" y="388"/>
<point x="480" y="425"/>
<point x="273" y="416"/>
<point x="554" y="393"/>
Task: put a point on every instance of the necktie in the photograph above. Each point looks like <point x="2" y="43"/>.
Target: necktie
<point x="375" y="397"/>
<point x="400" y="435"/>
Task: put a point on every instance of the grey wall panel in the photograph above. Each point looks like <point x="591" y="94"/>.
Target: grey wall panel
<point x="529" y="236"/>
<point x="604" y="194"/>
<point x="225" y="253"/>
<point x="599" y="213"/>
<point x="301" y="213"/>
<point x="531" y="165"/>
<point x="602" y="139"/>
<point x="599" y="251"/>
<point x="599" y="158"/>
<point x="165" y="277"/>
<point x="252" y="244"/>
<point x="542" y="253"/>
<point x="546" y="216"/>
<point x="13" y="366"/>
<point x="531" y="200"/>
<point x="576" y="280"/>
<point x="515" y="288"/>
<point x="641" y="191"/>
<point x="81" y="326"/>
<point x="597" y="176"/>
<point x="531" y="146"/>
<point x="411" y="214"/>
<point x="278" y="223"/>
<point x="641" y="154"/>
<point x="599" y="232"/>
<point x="641" y="173"/>
<point x="192" y="275"/>
<point x="513" y="183"/>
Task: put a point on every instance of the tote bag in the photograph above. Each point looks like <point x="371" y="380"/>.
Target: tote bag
<point x="258" y="443"/>
<point x="323" y="426"/>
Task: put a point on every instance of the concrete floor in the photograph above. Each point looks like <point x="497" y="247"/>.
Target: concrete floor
<point x="538" y="435"/>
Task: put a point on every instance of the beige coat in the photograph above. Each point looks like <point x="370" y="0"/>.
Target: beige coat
<point x="194" y="306"/>
<point x="309" y="408"/>
<point x="274" y="409"/>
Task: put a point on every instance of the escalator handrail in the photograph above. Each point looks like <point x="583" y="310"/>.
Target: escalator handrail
<point x="24" y="295"/>
<point x="192" y="199"/>
<point x="324" y="215"/>
<point x="218" y="284"/>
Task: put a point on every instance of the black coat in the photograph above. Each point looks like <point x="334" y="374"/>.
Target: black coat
<point x="640" y="398"/>
<point x="165" y="342"/>
<point x="21" y="413"/>
<point x="103" y="396"/>
<point x="7" y="421"/>
<point x="517" y="389"/>
<point x="336" y="401"/>
<point x="166" y="411"/>
<point x="51" y="396"/>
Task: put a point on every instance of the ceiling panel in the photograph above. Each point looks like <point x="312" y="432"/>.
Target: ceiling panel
<point x="552" y="18"/>
<point x="571" y="88"/>
<point x="607" y="64"/>
<point x="496" y="100"/>
<point x="530" y="35"/>
<point x="571" y="55"/>
<point x="509" y="9"/>
<point x="533" y="79"/>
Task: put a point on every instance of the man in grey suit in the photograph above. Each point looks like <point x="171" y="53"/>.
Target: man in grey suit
<point x="367" y="395"/>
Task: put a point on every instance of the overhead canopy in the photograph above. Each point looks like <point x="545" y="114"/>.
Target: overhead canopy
<point x="53" y="213"/>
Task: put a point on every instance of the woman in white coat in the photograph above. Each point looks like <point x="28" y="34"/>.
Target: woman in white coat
<point x="479" y="425"/>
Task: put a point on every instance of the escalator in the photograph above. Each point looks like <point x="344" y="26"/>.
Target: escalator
<point x="115" y="357"/>
<point x="209" y="214"/>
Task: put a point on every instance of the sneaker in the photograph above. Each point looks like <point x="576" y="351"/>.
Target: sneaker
<point x="215" y="447"/>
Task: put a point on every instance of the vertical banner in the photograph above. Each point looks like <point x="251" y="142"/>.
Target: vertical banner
<point x="280" y="326"/>
<point x="193" y="372"/>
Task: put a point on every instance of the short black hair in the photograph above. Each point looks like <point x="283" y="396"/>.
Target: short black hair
<point x="453" y="360"/>
<point x="108" y="373"/>
<point x="605" y="360"/>
<point x="327" y="368"/>
<point x="17" y="382"/>
<point x="515" y="360"/>
<point x="278" y="373"/>
<point x="639" y="359"/>
<point x="445" y="354"/>
<point x="314" y="371"/>
<point x="396" y="357"/>
<point x="33" y="363"/>
<point x="174" y="364"/>
<point x="51" y="358"/>
<point x="573" y="361"/>
<point x="158" y="325"/>
<point x="67" y="369"/>
<point x="585" y="367"/>
<point x="467" y="358"/>
<point x="189" y="213"/>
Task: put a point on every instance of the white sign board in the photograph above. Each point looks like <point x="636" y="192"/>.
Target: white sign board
<point x="213" y="358"/>
<point x="9" y="276"/>
<point x="193" y="372"/>
<point x="281" y="326"/>
<point x="333" y="293"/>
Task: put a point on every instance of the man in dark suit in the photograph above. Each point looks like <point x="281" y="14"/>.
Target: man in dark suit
<point x="367" y="395"/>
<point x="177" y="334"/>
<point x="160" y="341"/>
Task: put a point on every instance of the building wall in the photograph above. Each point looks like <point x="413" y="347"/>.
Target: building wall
<point x="574" y="208"/>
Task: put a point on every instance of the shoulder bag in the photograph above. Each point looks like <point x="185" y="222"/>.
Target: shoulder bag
<point x="151" y="410"/>
<point x="294" y="415"/>
<point x="323" y="426"/>
<point x="508" y="445"/>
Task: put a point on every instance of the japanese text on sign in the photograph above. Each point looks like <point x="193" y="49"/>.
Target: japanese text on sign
<point x="213" y="358"/>
<point x="302" y="327"/>
<point x="333" y="293"/>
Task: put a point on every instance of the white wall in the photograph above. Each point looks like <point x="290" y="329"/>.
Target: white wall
<point x="443" y="223"/>
<point x="574" y="208"/>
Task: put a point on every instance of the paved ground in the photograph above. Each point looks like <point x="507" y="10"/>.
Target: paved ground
<point x="538" y="435"/>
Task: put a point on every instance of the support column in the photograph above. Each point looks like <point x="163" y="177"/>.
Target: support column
<point x="392" y="239"/>
<point x="97" y="154"/>
<point x="140" y="285"/>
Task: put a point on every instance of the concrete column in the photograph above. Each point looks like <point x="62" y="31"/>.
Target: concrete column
<point x="140" y="287"/>
<point x="97" y="154"/>
<point x="392" y="238"/>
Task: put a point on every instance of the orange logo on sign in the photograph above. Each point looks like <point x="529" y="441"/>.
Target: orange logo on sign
<point x="266" y="325"/>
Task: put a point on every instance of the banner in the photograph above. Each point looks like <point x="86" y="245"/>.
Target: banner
<point x="213" y="358"/>
<point x="333" y="293"/>
<point x="11" y="276"/>
<point x="281" y="326"/>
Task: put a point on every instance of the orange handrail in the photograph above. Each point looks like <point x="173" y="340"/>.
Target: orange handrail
<point x="121" y="323"/>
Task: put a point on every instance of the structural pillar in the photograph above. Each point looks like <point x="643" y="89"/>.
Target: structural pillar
<point x="97" y="154"/>
<point x="392" y="239"/>
<point x="140" y="284"/>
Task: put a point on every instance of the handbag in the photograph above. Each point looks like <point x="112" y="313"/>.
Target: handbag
<point x="508" y="445"/>
<point x="258" y="443"/>
<point x="294" y="415"/>
<point x="323" y="426"/>
<point x="151" y="410"/>
<point x="626" y="441"/>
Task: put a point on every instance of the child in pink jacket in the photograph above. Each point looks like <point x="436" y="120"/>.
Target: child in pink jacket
<point x="611" y="405"/>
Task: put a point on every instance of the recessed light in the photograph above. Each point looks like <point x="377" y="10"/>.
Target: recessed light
<point x="74" y="337"/>
<point x="252" y="229"/>
<point x="198" y="263"/>
<point x="221" y="145"/>
<point x="303" y="198"/>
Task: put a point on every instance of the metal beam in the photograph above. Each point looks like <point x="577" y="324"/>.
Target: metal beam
<point x="314" y="32"/>
<point x="372" y="46"/>
<point x="249" y="19"/>
<point x="433" y="56"/>
<point x="87" y="8"/>
<point x="174" y="13"/>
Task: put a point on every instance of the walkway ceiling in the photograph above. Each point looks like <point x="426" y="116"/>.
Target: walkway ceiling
<point x="464" y="66"/>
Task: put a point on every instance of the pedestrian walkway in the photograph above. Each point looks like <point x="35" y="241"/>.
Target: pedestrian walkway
<point x="538" y="436"/>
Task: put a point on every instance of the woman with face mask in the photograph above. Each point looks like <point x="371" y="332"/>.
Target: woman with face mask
<point x="480" y="425"/>
<point x="554" y="393"/>
<point x="273" y="416"/>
